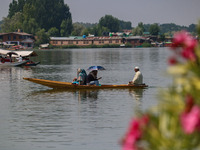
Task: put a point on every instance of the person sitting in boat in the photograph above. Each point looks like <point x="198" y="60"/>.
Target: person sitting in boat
<point x="138" y="78"/>
<point x="2" y="59"/>
<point x="19" y="58"/>
<point x="92" y="78"/>
<point x="81" y="77"/>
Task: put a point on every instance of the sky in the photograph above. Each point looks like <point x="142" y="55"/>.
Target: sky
<point x="180" y="12"/>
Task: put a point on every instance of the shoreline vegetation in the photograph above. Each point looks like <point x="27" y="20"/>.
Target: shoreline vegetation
<point x="144" y="45"/>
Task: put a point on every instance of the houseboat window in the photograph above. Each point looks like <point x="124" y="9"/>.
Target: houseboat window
<point x="117" y="41"/>
<point x="99" y="42"/>
<point x="20" y="37"/>
<point x="9" y="37"/>
<point x="110" y="41"/>
<point x="85" y="42"/>
<point x="70" y="42"/>
<point x="14" y="37"/>
<point x="76" y="42"/>
<point x="61" y="42"/>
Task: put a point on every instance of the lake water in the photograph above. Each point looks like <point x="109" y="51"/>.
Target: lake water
<point x="38" y="118"/>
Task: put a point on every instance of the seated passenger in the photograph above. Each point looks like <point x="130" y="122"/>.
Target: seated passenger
<point x="19" y="58"/>
<point x="81" y="77"/>
<point x="92" y="78"/>
<point x="138" y="78"/>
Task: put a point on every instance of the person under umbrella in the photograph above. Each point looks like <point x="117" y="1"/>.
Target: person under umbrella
<point x="92" y="78"/>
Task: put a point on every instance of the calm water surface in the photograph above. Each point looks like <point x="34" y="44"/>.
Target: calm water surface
<point x="36" y="117"/>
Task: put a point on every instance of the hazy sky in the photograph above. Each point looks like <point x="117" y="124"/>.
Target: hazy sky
<point x="181" y="12"/>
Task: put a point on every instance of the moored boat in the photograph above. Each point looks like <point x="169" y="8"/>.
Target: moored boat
<point x="31" y="63"/>
<point x="10" y="58"/>
<point x="13" y="64"/>
<point x="69" y="85"/>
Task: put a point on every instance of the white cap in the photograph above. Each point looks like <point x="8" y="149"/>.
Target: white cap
<point x="136" y="67"/>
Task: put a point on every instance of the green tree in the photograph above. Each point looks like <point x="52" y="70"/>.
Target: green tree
<point x="66" y="27"/>
<point x="53" y="32"/>
<point x="141" y="26"/>
<point x="42" y="37"/>
<point x="162" y="37"/>
<point x="125" y="25"/>
<point x="13" y="8"/>
<point x="171" y="27"/>
<point x="12" y="24"/>
<point x="46" y="13"/>
<point x="30" y="26"/>
<point x="85" y="32"/>
<point x="0" y="26"/>
<point x="94" y="30"/>
<point x="154" y="29"/>
<point x="192" y="28"/>
<point x="139" y="29"/>
<point x="110" y="23"/>
<point x="198" y="29"/>
<point x="77" y="29"/>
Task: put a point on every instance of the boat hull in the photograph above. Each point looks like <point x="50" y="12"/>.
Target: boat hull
<point x="32" y="64"/>
<point x="69" y="85"/>
<point x="13" y="64"/>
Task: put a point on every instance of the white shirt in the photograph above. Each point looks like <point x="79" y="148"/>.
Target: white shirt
<point x="19" y="59"/>
<point x="138" y="78"/>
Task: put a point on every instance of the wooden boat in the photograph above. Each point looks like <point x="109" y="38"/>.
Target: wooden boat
<point x="13" y="64"/>
<point x="69" y="85"/>
<point x="31" y="63"/>
<point x="12" y="55"/>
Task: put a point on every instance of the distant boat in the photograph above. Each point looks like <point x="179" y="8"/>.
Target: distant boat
<point x="8" y="58"/>
<point x="44" y="46"/>
<point x="13" y="64"/>
<point x="31" y="63"/>
<point x="122" y="45"/>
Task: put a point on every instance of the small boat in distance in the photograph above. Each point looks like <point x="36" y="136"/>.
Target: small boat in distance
<point x="13" y="64"/>
<point x="7" y="59"/>
<point x="11" y="56"/>
<point x="69" y="85"/>
<point x="31" y="63"/>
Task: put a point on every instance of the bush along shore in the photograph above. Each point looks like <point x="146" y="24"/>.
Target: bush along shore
<point x="90" y="46"/>
<point x="98" y="46"/>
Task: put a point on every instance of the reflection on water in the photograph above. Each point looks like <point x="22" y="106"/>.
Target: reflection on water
<point x="37" y="117"/>
<point x="79" y="94"/>
<point x="137" y="95"/>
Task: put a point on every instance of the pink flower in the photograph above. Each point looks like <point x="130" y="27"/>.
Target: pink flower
<point x="134" y="133"/>
<point x="189" y="103"/>
<point x="191" y="121"/>
<point x="132" y="136"/>
<point x="187" y="42"/>
<point x="172" y="60"/>
<point x="189" y="54"/>
<point x="179" y="39"/>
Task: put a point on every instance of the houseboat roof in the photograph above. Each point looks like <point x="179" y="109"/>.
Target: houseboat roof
<point x="22" y="53"/>
<point x="136" y="37"/>
<point x="19" y="33"/>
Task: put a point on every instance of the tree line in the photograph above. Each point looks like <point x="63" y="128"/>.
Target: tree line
<point x="46" y="18"/>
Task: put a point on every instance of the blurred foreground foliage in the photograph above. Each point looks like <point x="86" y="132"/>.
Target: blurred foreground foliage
<point x="175" y="123"/>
